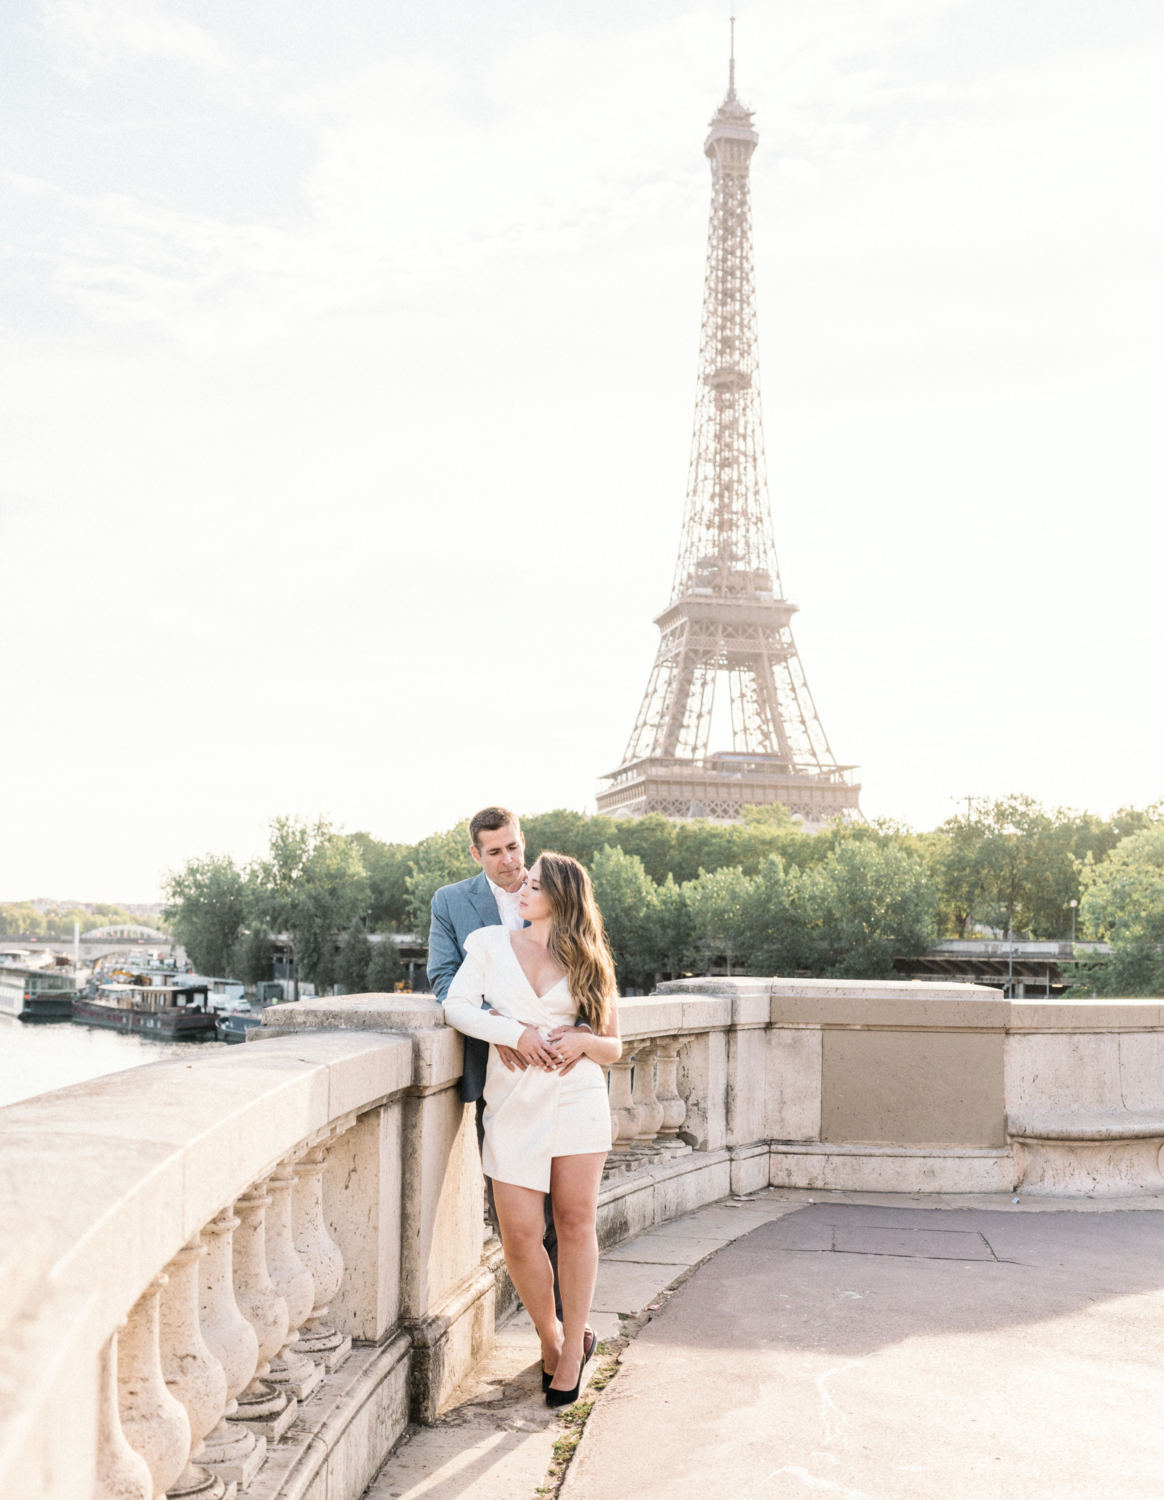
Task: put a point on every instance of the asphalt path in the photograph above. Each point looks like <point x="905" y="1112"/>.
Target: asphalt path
<point x="870" y="1353"/>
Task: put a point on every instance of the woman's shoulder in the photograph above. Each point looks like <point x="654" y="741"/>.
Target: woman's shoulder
<point x="485" y="940"/>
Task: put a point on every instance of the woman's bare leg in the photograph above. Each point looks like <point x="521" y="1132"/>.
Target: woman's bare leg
<point x="574" y="1184"/>
<point x="521" y="1215"/>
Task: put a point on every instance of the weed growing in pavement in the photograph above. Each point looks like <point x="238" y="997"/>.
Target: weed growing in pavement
<point x="572" y="1419"/>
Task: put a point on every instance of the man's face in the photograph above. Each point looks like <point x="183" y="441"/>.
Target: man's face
<point x="501" y="855"/>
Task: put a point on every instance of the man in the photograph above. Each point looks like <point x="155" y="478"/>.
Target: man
<point x="485" y="900"/>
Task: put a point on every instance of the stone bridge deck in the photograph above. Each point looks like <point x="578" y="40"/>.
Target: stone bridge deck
<point x="855" y="1345"/>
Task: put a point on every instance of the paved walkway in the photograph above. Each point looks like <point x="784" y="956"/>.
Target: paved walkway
<point x="891" y="1353"/>
<point x="860" y="1346"/>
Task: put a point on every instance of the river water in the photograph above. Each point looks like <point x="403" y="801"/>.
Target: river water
<point x="34" y="1059"/>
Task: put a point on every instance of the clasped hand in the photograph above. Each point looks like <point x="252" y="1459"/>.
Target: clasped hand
<point x="560" y="1052"/>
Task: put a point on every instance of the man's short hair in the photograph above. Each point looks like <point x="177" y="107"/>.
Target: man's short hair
<point x="489" y="820"/>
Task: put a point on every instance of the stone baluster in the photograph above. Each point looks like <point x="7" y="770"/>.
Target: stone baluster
<point x="231" y="1450"/>
<point x="191" y="1371"/>
<point x="291" y="1369"/>
<point x="615" y="1123"/>
<point x="322" y="1257"/>
<point x="266" y="1409"/>
<point x="622" y="1104"/>
<point x="154" y="1423"/>
<point x="674" y="1108"/>
<point x="650" y="1110"/>
<point x="122" y="1473"/>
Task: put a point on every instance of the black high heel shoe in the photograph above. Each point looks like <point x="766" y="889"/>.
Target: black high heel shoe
<point x="567" y="1398"/>
<point x="589" y="1344"/>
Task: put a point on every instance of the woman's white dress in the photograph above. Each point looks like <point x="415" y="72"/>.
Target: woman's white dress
<point x="530" y="1116"/>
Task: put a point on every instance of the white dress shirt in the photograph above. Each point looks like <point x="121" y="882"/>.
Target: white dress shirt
<point x="507" y="907"/>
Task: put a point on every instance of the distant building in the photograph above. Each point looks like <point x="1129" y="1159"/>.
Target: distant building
<point x="1021" y="969"/>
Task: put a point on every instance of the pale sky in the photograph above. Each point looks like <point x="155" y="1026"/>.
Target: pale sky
<point x="348" y="383"/>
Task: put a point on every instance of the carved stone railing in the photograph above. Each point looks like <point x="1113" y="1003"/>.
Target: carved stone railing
<point x="214" y="1262"/>
<point x="888" y="1087"/>
<point x="246" y="1270"/>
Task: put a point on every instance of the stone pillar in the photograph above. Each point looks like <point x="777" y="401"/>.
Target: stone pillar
<point x="650" y="1110"/>
<point x="361" y="1195"/>
<point x="192" y="1373"/>
<point x="674" y="1109"/>
<point x="231" y="1450"/>
<point x="291" y="1369"/>
<point x="703" y="1070"/>
<point x="267" y="1410"/>
<point x="622" y="1104"/>
<point x="122" y="1473"/>
<point x="321" y="1255"/>
<point x="447" y="1295"/>
<point x="154" y="1423"/>
<point x="746" y="1085"/>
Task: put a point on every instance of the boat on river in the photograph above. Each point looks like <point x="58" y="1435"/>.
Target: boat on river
<point x="171" y="1007"/>
<point x="33" y="991"/>
<point x="233" y="1025"/>
<point x="236" y="1022"/>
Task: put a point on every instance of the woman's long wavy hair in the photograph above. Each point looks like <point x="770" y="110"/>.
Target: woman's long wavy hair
<point x="578" y="937"/>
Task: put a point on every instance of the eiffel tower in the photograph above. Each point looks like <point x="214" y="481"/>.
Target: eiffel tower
<point x="728" y="616"/>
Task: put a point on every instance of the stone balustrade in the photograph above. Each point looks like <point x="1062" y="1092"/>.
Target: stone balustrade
<point x="227" y="1266"/>
<point x="244" y="1271"/>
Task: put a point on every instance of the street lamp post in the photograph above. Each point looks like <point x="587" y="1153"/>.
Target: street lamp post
<point x="1073" y="905"/>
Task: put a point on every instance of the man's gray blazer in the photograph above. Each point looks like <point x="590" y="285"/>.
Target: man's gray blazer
<point x="458" y="910"/>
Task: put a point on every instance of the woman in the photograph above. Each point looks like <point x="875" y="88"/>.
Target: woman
<point x="547" y="1127"/>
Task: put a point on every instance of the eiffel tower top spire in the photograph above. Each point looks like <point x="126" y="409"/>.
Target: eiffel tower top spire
<point x="727" y="534"/>
<point x="728" y="624"/>
<point x="731" y="93"/>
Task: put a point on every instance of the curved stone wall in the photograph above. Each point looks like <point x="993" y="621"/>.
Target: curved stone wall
<point x="251" y="1267"/>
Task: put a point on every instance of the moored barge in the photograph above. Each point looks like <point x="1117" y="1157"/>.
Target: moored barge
<point x="168" y="1011"/>
<point x="36" y="994"/>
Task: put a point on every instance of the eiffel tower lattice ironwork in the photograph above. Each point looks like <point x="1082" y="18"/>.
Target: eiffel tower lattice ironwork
<point x="728" y="617"/>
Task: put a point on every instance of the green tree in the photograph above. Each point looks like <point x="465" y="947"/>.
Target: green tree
<point x="355" y="958"/>
<point x="388" y="867"/>
<point x="1008" y="866"/>
<point x="703" y="848"/>
<point x="719" y="903"/>
<point x="651" y="839"/>
<point x="386" y="969"/>
<point x="625" y="894"/>
<point x="783" y="939"/>
<point x="21" y="919"/>
<point x="871" y="904"/>
<point x="313" y="885"/>
<point x="669" y="937"/>
<point x="567" y="832"/>
<point x="440" y="859"/>
<point x="1013" y="866"/>
<point x="1123" y="903"/>
<point x="253" y="961"/>
<point x="59" y="922"/>
<point x="207" y="903"/>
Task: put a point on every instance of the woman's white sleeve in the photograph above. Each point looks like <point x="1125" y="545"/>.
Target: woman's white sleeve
<point x="463" y="1007"/>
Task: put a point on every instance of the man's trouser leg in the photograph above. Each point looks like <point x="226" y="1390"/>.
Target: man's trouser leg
<point x="490" y="1207"/>
<point x="551" y="1244"/>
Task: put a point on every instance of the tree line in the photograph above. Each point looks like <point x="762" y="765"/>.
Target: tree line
<point x="22" y="919"/>
<point x="761" y="896"/>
